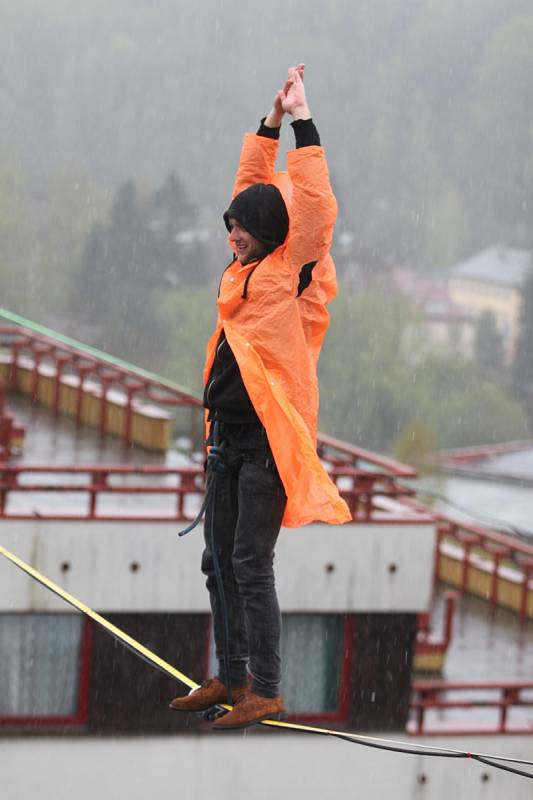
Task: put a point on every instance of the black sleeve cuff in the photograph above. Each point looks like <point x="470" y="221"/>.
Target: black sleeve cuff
<point x="305" y="132"/>
<point x="268" y="133"/>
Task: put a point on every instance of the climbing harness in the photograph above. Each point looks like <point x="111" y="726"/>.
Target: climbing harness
<point x="355" y="738"/>
<point x="216" y="466"/>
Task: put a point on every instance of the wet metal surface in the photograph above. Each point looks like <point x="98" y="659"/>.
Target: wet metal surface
<point x="54" y="440"/>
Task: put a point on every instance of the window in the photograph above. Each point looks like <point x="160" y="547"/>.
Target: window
<point x="43" y="668"/>
<point x="316" y="655"/>
<point x="315" y="651"/>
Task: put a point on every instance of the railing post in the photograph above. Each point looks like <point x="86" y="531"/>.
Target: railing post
<point x="3" y="494"/>
<point x="13" y="376"/>
<point x="60" y="363"/>
<point x="128" y="412"/>
<point x="497" y="553"/>
<point x="35" y="376"/>
<point x="450" y="598"/>
<point x="420" y="713"/>
<point x="102" y="422"/>
<point x="468" y="541"/>
<point x="82" y="373"/>
<point x="181" y="503"/>
<point x="527" y="567"/>
<point x="97" y="484"/>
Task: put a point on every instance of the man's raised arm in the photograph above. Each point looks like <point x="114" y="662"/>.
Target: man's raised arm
<point x="259" y="150"/>
<point x="313" y="207"/>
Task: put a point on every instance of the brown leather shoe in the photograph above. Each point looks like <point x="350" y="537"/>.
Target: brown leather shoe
<point x="248" y="710"/>
<point x="210" y="693"/>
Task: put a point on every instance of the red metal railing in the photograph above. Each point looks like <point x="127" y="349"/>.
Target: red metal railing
<point x="10" y="430"/>
<point x="340" y="453"/>
<point x="78" y="490"/>
<point x="487" y="550"/>
<point x="41" y="349"/>
<point x="484" y="549"/>
<point x="476" y="453"/>
<point x="362" y="476"/>
<point x="431" y="696"/>
<point x="94" y="481"/>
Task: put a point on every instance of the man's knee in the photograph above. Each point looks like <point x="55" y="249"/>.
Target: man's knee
<point x="253" y="572"/>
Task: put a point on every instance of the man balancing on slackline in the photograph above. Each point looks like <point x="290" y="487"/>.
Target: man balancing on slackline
<point x="261" y="394"/>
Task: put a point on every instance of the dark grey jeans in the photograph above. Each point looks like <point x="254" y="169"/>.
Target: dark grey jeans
<point x="247" y="510"/>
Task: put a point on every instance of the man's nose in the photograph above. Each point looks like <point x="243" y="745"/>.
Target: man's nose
<point x="234" y="235"/>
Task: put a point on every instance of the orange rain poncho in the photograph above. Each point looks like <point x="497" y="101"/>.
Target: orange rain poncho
<point x="275" y="335"/>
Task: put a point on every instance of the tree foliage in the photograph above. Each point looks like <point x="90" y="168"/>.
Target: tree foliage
<point x="144" y="246"/>
<point x="426" y="108"/>
<point x="523" y="361"/>
<point x="377" y="387"/>
<point x="488" y="347"/>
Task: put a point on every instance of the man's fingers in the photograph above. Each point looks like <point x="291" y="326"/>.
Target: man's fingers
<point x="297" y="78"/>
<point x="299" y="68"/>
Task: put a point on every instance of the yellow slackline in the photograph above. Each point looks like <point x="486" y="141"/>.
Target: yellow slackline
<point x="148" y="655"/>
<point x="119" y="634"/>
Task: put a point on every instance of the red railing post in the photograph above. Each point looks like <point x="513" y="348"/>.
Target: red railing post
<point x="3" y="493"/>
<point x="102" y="422"/>
<point x="130" y="389"/>
<point x="82" y="373"/>
<point x="527" y="567"/>
<point x="97" y="484"/>
<point x="36" y="353"/>
<point x="13" y="375"/>
<point x="420" y="713"/>
<point x="497" y="553"/>
<point x="60" y="362"/>
<point x="468" y="540"/>
<point x="128" y="413"/>
<point x="450" y="599"/>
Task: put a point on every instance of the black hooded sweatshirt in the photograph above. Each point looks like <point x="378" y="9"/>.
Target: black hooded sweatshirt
<point x="261" y="210"/>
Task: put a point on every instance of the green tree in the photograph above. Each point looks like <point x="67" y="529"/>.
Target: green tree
<point x="462" y="406"/>
<point x="190" y="316"/>
<point x="415" y="442"/>
<point x="383" y="386"/>
<point x="365" y="388"/>
<point x="178" y="249"/>
<point x="145" y="247"/>
<point x="523" y="359"/>
<point x="488" y="346"/>
<point x="16" y="241"/>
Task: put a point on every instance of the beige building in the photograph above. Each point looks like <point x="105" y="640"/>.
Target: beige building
<point x="492" y="280"/>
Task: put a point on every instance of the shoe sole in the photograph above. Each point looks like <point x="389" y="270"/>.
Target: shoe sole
<point x="280" y="717"/>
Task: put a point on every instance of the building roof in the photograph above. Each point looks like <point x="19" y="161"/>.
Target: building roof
<point x="430" y="295"/>
<point x="498" y="264"/>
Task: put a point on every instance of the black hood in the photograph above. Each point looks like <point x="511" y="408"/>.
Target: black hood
<point x="261" y="210"/>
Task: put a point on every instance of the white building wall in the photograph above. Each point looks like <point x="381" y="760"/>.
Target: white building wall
<point x="252" y="766"/>
<point x="351" y="568"/>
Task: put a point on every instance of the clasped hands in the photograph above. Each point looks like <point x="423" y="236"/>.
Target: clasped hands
<point x="291" y="99"/>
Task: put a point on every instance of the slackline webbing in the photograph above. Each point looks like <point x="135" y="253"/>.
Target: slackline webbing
<point x="146" y="654"/>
